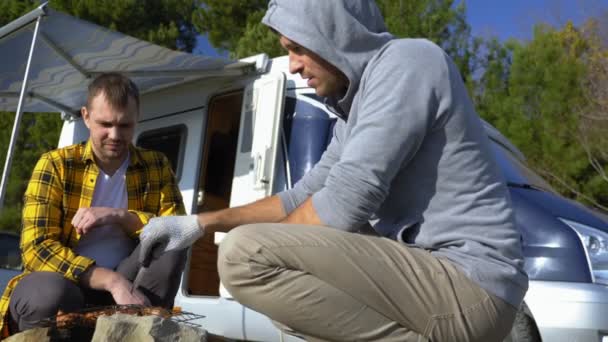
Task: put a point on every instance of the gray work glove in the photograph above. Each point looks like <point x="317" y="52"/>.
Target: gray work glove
<point x="167" y="233"/>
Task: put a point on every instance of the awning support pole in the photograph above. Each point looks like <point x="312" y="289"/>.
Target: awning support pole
<point x="18" y="115"/>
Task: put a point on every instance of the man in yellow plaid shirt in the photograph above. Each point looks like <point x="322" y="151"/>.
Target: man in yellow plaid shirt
<point x="83" y="210"/>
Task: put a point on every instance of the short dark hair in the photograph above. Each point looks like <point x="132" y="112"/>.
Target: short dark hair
<point x="117" y="88"/>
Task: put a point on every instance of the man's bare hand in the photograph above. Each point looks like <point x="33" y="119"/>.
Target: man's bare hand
<point x="88" y="218"/>
<point x="121" y="292"/>
<point x="104" y="279"/>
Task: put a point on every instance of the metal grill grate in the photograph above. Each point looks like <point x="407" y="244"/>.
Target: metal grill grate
<point x="80" y="325"/>
<point x="188" y="318"/>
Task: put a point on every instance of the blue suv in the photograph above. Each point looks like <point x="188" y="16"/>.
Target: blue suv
<point x="566" y="256"/>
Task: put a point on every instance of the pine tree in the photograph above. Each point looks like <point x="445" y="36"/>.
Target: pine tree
<point x="234" y="26"/>
<point x="545" y="95"/>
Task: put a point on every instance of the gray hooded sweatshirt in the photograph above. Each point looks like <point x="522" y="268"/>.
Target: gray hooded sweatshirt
<point x="410" y="154"/>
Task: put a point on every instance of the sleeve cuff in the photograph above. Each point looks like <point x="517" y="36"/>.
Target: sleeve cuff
<point x="292" y="198"/>
<point x="286" y="202"/>
<point x="80" y="265"/>
<point x="331" y="213"/>
<point x="144" y="217"/>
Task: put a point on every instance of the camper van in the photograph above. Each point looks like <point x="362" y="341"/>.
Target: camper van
<point x="237" y="131"/>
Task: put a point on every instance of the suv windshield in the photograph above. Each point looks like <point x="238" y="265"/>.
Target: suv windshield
<point x="515" y="170"/>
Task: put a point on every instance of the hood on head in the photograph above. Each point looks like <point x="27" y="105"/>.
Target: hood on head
<point x="345" y="33"/>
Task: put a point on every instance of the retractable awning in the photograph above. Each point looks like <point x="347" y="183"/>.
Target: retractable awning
<point x="48" y="59"/>
<point x="69" y="52"/>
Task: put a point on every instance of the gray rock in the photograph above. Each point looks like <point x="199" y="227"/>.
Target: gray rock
<point x="128" y="328"/>
<point x="31" y="335"/>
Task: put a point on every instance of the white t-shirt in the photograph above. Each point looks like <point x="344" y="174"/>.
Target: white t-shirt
<point x="108" y="245"/>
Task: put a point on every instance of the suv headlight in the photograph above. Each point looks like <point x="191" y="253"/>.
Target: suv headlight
<point x="595" y="242"/>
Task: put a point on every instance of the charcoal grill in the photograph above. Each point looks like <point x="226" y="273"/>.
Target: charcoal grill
<point x="80" y="325"/>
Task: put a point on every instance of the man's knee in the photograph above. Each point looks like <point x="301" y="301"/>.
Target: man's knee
<point x="235" y="252"/>
<point x="41" y="294"/>
<point x="162" y="280"/>
<point x="172" y="262"/>
<point x="47" y="290"/>
<point x="239" y="244"/>
<point x="168" y="268"/>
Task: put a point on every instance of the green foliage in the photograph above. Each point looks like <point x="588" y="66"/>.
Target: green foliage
<point x="492" y="86"/>
<point x="164" y="22"/>
<point x="10" y="218"/>
<point x="544" y="95"/>
<point x="534" y="93"/>
<point x="258" y="37"/>
<point x="39" y="133"/>
<point x="12" y="9"/>
<point x="226" y="22"/>
<point x="422" y="18"/>
<point x="234" y="25"/>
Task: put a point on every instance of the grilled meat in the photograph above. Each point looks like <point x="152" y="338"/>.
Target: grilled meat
<point x="89" y="317"/>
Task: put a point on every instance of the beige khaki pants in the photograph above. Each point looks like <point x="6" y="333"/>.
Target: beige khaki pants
<point x="330" y="285"/>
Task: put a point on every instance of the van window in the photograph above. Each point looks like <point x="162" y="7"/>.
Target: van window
<point x="216" y="172"/>
<point x="168" y="140"/>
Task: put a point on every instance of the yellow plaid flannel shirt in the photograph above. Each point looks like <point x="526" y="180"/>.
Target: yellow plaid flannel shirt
<point x="64" y="180"/>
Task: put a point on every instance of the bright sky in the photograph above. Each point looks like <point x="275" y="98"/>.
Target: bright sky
<point x="507" y="18"/>
<point x="516" y="18"/>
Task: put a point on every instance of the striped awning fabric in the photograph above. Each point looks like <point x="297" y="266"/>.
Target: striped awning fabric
<point x="70" y="52"/>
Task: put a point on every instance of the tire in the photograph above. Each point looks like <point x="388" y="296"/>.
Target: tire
<point x="524" y="328"/>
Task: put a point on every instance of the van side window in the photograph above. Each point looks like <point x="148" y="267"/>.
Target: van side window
<point x="220" y="140"/>
<point x="168" y="140"/>
<point x="219" y="151"/>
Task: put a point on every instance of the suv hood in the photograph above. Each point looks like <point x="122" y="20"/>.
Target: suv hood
<point x="563" y="207"/>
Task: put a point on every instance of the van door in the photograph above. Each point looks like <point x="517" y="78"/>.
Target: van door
<point x="260" y="128"/>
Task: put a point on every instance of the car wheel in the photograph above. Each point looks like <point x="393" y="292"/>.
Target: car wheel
<point x="524" y="328"/>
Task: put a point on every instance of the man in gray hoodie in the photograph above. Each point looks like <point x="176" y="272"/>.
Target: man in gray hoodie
<point x="410" y="158"/>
